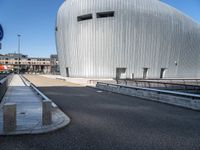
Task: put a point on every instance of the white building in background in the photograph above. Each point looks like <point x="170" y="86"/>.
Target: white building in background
<point x="126" y="38"/>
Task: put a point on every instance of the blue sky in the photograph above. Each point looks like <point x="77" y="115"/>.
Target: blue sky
<point x="35" y="21"/>
<point x="189" y="7"/>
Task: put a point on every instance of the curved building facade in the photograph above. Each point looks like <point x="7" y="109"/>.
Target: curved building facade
<point x="126" y="38"/>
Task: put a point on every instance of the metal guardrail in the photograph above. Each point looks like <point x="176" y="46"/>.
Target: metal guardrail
<point x="157" y="84"/>
<point x="39" y="93"/>
<point x="44" y="97"/>
<point x="167" y="79"/>
<point x="180" y="94"/>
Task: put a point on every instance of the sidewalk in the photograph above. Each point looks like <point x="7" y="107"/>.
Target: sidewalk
<point x="79" y="81"/>
<point x="29" y="110"/>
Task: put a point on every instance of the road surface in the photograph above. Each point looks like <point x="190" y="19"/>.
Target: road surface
<point x="108" y="121"/>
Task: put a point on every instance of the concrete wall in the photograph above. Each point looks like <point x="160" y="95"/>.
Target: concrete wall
<point x="191" y="102"/>
<point x="4" y="85"/>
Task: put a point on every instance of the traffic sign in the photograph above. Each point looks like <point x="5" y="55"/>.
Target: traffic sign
<point x="1" y="32"/>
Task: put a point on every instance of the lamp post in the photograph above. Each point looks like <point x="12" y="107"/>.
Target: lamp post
<point x="19" y="36"/>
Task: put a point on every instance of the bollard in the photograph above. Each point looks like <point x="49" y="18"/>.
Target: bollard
<point x="9" y="117"/>
<point x="46" y="112"/>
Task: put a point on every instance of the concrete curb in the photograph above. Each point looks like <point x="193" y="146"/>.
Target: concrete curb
<point x="59" y="119"/>
<point x="64" y="121"/>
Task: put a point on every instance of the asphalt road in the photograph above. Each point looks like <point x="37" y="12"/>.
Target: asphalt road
<point x="108" y="121"/>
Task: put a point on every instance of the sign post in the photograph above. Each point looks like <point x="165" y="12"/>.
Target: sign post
<point x="1" y="35"/>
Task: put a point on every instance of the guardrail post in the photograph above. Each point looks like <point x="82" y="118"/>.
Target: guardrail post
<point x="46" y="112"/>
<point x="9" y="117"/>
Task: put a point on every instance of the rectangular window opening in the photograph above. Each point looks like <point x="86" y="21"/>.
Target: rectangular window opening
<point x="162" y="72"/>
<point x="105" y="14"/>
<point x="145" y="73"/>
<point x="67" y="72"/>
<point x="84" y="17"/>
<point x="120" y="73"/>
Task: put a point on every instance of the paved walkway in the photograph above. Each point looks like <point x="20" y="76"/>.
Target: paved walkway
<point x="79" y="81"/>
<point x="29" y="109"/>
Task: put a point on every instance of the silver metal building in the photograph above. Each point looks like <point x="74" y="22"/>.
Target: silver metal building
<point x="126" y="38"/>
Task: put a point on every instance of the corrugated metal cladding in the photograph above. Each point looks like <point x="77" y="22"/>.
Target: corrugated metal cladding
<point x="141" y="34"/>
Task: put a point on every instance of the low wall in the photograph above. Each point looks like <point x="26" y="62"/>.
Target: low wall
<point x="191" y="101"/>
<point x="4" y="85"/>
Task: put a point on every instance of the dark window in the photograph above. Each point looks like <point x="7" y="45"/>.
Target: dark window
<point x="120" y="72"/>
<point x="162" y="72"/>
<point x="67" y="72"/>
<point x="105" y="14"/>
<point x="145" y="73"/>
<point x="84" y="17"/>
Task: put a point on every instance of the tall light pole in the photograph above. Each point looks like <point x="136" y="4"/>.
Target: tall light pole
<point x="19" y="36"/>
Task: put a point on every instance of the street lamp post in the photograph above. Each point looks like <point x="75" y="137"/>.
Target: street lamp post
<point x="19" y="36"/>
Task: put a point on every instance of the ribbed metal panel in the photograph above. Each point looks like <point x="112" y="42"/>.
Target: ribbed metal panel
<point x="143" y="33"/>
